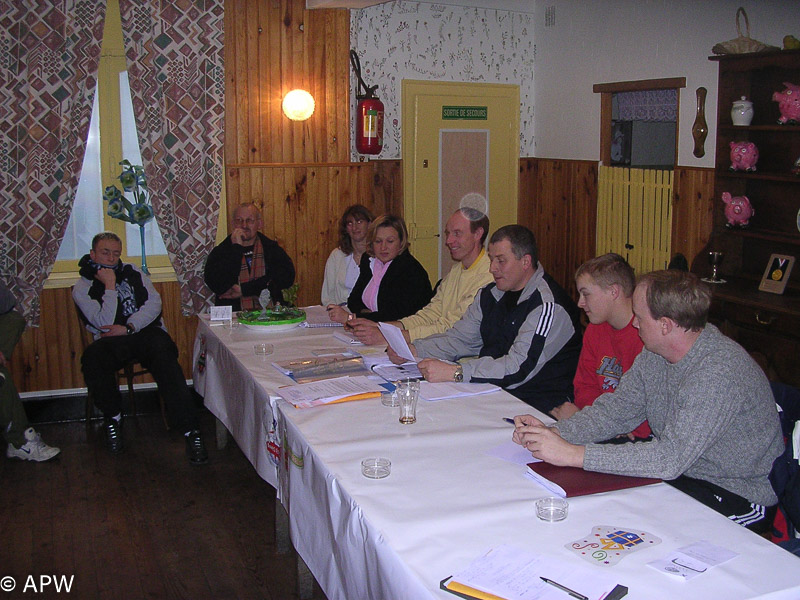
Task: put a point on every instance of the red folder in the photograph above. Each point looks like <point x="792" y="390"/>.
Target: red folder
<point x="572" y="481"/>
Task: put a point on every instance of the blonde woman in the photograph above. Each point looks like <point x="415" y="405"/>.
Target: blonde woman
<point x="392" y="284"/>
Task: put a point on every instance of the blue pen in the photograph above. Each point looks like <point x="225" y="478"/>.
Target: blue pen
<point x="507" y="420"/>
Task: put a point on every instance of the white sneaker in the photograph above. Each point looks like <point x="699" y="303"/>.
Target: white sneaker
<point x="33" y="448"/>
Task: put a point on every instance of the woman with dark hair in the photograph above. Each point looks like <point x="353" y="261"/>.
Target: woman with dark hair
<point x="341" y="269"/>
<point x="392" y="283"/>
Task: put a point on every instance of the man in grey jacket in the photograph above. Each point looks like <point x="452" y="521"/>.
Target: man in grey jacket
<point x="122" y="309"/>
<point x="709" y="405"/>
<point x="523" y="328"/>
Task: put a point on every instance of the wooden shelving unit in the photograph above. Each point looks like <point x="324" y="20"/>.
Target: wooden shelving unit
<point x="766" y="324"/>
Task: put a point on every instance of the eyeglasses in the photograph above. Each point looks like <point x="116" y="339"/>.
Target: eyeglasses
<point x="248" y="221"/>
<point x="354" y="222"/>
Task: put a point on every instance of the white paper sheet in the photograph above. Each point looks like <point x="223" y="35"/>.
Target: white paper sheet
<point x="347" y="338"/>
<point x="220" y="313"/>
<point x="450" y="389"/>
<point x="514" y="574"/>
<point x="396" y="340"/>
<point x="695" y="559"/>
<point x="512" y="452"/>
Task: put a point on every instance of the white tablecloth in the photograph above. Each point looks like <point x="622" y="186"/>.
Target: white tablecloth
<point x="446" y="500"/>
<point x="237" y="386"/>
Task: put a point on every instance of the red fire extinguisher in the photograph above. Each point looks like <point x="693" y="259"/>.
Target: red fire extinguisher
<point x="369" y="114"/>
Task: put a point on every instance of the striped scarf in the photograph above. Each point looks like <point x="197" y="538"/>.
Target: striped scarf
<point x="251" y="269"/>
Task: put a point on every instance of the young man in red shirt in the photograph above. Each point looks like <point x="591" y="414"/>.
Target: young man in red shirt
<point x="610" y="343"/>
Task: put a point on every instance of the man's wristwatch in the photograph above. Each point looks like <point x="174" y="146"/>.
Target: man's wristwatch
<point x="458" y="376"/>
<point x="131" y="329"/>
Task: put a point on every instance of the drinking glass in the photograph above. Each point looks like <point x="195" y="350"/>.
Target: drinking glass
<point x="408" y="392"/>
<point x="715" y="260"/>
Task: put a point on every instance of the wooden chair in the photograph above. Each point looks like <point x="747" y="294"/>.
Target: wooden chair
<point x="128" y="372"/>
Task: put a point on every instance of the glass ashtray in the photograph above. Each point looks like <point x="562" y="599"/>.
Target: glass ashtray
<point x="390" y="399"/>
<point x="551" y="509"/>
<point x="376" y="468"/>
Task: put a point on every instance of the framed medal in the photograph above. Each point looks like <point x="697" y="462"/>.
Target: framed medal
<point x="776" y="274"/>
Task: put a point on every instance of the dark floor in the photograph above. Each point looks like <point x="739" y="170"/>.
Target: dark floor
<point x="145" y="524"/>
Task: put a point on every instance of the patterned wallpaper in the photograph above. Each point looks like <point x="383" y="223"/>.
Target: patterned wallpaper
<point x="409" y="40"/>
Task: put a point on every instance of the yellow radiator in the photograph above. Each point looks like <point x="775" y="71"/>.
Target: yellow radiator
<point x="634" y="216"/>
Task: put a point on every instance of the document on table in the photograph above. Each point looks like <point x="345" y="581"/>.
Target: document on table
<point x="347" y="338"/>
<point x="381" y="365"/>
<point x="396" y="340"/>
<point x="514" y="574"/>
<point x="512" y="452"/>
<point x="693" y="560"/>
<point x="317" y="316"/>
<point x="392" y="372"/>
<point x="450" y="389"/>
<point x="322" y="367"/>
<point x="328" y="391"/>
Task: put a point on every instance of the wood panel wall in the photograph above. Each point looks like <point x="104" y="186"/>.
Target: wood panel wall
<point x="558" y="202"/>
<point x="48" y="357"/>
<point x="301" y="207"/>
<point x="272" y="47"/>
<point x="692" y="210"/>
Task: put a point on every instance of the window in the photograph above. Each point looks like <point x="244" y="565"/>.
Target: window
<point x="112" y="137"/>
<point x="618" y="136"/>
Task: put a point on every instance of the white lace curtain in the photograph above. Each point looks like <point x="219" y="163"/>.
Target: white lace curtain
<point x="651" y="105"/>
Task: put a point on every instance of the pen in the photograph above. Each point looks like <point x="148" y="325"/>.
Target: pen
<point x="563" y="588"/>
<point x="507" y="420"/>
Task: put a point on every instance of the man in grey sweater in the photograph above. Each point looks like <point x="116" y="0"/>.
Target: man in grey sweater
<point x="713" y="416"/>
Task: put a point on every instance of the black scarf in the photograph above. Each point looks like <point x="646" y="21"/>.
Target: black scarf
<point x="131" y="291"/>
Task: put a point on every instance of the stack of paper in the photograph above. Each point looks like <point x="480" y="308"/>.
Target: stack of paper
<point x="330" y="391"/>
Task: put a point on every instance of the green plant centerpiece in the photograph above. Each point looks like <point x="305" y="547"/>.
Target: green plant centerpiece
<point x="135" y="210"/>
<point x="271" y="314"/>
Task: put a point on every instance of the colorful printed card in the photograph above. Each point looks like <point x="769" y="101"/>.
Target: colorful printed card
<point x="606" y="545"/>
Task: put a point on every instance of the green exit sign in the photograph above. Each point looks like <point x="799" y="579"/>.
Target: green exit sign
<point x="464" y="113"/>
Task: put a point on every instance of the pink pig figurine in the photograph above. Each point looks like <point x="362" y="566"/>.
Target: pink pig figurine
<point x="738" y="210"/>
<point x="744" y="156"/>
<point x="788" y="103"/>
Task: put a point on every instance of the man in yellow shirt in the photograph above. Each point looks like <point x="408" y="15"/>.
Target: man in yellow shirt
<point x="465" y="234"/>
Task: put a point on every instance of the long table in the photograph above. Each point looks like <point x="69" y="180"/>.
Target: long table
<point x="446" y="500"/>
